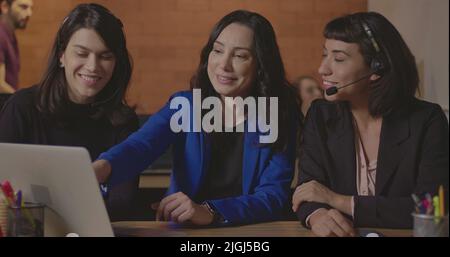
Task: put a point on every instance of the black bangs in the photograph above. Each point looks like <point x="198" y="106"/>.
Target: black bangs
<point x="344" y="29"/>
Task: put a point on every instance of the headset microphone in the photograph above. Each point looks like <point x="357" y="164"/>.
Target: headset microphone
<point x="334" y="89"/>
<point x="377" y="65"/>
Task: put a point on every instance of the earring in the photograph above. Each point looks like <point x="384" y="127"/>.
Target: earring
<point x="61" y="65"/>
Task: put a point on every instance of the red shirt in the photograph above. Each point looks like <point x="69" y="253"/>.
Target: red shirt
<point x="9" y="55"/>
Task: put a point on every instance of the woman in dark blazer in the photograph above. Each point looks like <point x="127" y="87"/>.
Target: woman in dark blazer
<point x="373" y="144"/>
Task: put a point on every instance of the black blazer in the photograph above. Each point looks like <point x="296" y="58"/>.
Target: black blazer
<point x="412" y="158"/>
<point x="3" y="99"/>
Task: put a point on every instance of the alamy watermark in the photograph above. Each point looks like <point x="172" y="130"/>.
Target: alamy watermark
<point x="235" y="110"/>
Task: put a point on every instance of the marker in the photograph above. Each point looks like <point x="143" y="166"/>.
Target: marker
<point x="441" y="201"/>
<point x="19" y="198"/>
<point x="430" y="204"/>
<point x="417" y="202"/>
<point x="428" y="197"/>
<point x="426" y="205"/>
<point x="8" y="192"/>
<point x="436" y="206"/>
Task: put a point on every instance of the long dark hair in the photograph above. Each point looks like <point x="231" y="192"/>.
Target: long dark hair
<point x="399" y="80"/>
<point x="270" y="74"/>
<point x="52" y="96"/>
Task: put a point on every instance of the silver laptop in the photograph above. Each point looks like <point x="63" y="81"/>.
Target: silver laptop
<point x="62" y="178"/>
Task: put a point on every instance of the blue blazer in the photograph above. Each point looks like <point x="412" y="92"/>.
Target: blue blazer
<point x="266" y="177"/>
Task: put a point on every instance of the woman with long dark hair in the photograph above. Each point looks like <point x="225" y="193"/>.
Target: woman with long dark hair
<point x="221" y="177"/>
<point x="80" y="100"/>
<point x="373" y="143"/>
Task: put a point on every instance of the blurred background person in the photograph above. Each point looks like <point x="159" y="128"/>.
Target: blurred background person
<point x="14" y="15"/>
<point x="308" y="90"/>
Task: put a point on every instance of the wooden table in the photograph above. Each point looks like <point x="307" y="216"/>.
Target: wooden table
<point x="269" y="229"/>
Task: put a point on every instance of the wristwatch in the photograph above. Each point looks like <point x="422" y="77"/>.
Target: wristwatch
<point x="217" y="217"/>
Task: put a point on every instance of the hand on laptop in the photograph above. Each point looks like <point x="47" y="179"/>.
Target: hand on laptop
<point x="102" y="170"/>
<point x="180" y="208"/>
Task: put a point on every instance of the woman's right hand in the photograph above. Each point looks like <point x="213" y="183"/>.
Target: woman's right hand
<point x="331" y="223"/>
<point x="102" y="170"/>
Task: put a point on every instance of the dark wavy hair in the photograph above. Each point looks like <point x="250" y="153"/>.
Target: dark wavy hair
<point x="270" y="78"/>
<point x="52" y="95"/>
<point x="399" y="81"/>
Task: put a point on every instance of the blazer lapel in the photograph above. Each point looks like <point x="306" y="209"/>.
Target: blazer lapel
<point x="342" y="152"/>
<point x="394" y="131"/>
<point x="250" y="159"/>
<point x="205" y="156"/>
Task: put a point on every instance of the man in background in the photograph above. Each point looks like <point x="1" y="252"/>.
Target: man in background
<point x="14" y="14"/>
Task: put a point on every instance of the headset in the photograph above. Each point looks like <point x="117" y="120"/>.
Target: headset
<point x="377" y="64"/>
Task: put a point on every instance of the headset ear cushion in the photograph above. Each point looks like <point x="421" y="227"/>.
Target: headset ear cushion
<point x="377" y="66"/>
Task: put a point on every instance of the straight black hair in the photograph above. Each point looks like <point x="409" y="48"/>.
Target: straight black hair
<point x="399" y="80"/>
<point x="270" y="74"/>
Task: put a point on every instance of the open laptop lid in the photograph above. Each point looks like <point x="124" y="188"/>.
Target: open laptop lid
<point x="62" y="178"/>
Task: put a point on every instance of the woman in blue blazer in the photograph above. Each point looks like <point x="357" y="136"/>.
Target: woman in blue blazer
<point x="221" y="178"/>
<point x="373" y="144"/>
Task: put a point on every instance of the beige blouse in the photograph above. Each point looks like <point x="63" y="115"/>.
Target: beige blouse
<point x="366" y="171"/>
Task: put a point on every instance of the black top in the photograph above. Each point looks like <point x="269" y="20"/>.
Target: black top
<point x="412" y="158"/>
<point x="223" y="177"/>
<point x="21" y="122"/>
<point x="3" y="98"/>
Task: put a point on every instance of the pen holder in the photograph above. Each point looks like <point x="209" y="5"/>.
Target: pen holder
<point x="26" y="221"/>
<point x="3" y="216"/>
<point x="430" y="225"/>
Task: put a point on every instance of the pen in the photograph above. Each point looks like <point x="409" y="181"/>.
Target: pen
<point x="417" y="203"/>
<point x="7" y="191"/>
<point x="19" y="198"/>
<point x="428" y="197"/>
<point x="430" y="204"/>
<point x="425" y="205"/>
<point x="441" y="201"/>
<point x="436" y="206"/>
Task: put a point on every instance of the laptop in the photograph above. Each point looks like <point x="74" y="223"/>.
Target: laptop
<point x="62" y="178"/>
